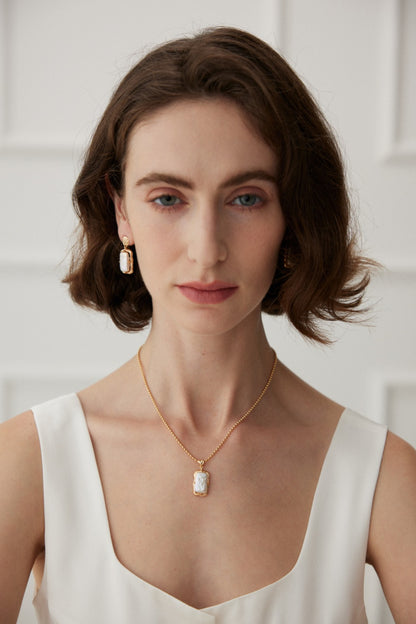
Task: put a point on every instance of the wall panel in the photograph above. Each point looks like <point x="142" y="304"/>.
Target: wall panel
<point x="398" y="128"/>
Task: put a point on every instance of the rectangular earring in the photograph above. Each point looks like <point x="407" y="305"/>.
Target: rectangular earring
<point x="126" y="258"/>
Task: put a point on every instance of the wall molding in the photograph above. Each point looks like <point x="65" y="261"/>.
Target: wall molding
<point x="38" y="263"/>
<point x="18" y="374"/>
<point x="40" y="146"/>
<point x="73" y="376"/>
<point x="383" y="383"/>
<point x="392" y="147"/>
<point x="275" y="14"/>
<point x="400" y="266"/>
<point x="52" y="262"/>
<point x="4" y="68"/>
<point x="15" y="143"/>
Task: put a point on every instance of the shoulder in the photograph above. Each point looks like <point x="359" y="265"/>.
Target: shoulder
<point x="392" y="538"/>
<point x="397" y="478"/>
<point x="21" y="487"/>
<point x="19" y="441"/>
<point x="396" y="488"/>
<point x="399" y="457"/>
<point x="21" y="504"/>
<point x="20" y="461"/>
<point x="21" y="483"/>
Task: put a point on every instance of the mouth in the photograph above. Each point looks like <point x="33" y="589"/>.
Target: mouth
<point x="213" y="292"/>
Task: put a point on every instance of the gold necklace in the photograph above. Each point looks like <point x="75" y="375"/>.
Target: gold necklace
<point x="201" y="476"/>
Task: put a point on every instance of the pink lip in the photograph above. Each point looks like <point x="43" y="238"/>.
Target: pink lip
<point x="214" y="292"/>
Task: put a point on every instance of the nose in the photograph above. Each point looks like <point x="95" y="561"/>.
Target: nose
<point x="207" y="236"/>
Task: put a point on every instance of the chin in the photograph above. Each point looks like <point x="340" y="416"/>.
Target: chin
<point x="213" y="322"/>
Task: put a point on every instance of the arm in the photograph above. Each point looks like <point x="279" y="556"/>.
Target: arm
<point x="21" y="515"/>
<point x="392" y="539"/>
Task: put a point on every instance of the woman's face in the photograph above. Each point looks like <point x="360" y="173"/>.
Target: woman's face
<point x="201" y="206"/>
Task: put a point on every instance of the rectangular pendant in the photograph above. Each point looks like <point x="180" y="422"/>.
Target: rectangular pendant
<point x="126" y="261"/>
<point x="201" y="482"/>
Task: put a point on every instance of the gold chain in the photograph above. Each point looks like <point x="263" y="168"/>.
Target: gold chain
<point x="201" y="462"/>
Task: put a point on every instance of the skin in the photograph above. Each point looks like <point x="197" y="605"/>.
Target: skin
<point x="205" y="364"/>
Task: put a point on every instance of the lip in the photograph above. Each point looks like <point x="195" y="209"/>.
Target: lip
<point x="216" y="285"/>
<point x="212" y="292"/>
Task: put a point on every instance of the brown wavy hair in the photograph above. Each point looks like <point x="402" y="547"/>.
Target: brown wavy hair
<point x="319" y="274"/>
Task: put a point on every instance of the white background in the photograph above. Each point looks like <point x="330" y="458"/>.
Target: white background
<point x="59" y="62"/>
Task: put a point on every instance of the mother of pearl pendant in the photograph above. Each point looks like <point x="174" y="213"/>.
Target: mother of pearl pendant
<point x="201" y="482"/>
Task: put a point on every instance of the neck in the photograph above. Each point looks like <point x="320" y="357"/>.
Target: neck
<point x="205" y="383"/>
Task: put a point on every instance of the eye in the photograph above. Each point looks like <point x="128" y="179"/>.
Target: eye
<point x="167" y="200"/>
<point x="247" y="200"/>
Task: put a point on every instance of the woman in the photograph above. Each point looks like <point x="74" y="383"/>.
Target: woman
<point x="203" y="481"/>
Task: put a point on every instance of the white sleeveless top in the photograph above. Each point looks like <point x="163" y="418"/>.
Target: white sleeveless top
<point x="85" y="583"/>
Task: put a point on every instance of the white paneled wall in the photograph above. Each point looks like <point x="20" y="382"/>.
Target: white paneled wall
<point x="59" y="62"/>
<point x="398" y="132"/>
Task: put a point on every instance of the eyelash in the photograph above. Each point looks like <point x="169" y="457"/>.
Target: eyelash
<point x="172" y="207"/>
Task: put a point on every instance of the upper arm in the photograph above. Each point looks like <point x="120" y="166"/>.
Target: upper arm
<point x="392" y="539"/>
<point x="21" y="505"/>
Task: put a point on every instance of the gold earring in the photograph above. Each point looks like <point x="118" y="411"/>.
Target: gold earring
<point x="126" y="258"/>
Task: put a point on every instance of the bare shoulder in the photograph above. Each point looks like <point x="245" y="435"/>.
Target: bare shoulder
<point x="395" y="497"/>
<point x="397" y="477"/>
<point x="392" y="539"/>
<point x="21" y="468"/>
<point x="19" y="447"/>
<point x="21" y="504"/>
<point x="398" y="453"/>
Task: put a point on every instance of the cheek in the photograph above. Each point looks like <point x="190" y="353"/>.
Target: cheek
<point x="264" y="248"/>
<point x="155" y="253"/>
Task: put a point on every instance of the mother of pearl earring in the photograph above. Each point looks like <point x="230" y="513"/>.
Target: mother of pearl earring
<point x="126" y="258"/>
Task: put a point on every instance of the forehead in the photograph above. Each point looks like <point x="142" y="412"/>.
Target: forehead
<point x="198" y="134"/>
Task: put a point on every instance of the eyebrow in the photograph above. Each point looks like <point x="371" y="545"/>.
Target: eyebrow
<point x="240" y="178"/>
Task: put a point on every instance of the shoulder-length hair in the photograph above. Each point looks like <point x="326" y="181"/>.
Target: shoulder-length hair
<point x="319" y="274"/>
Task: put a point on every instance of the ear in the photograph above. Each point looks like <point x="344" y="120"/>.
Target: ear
<point x="123" y="224"/>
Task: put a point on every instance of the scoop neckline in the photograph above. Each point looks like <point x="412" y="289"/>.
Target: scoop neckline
<point x="274" y="584"/>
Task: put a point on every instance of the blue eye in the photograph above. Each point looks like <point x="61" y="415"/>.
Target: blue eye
<point x="248" y="200"/>
<point x="167" y="200"/>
